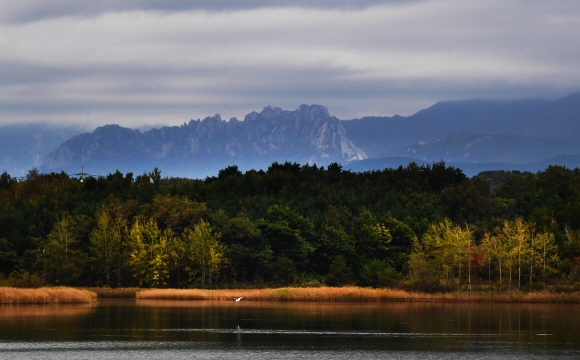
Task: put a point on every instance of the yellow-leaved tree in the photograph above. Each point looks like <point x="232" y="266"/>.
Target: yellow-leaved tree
<point x="105" y="243"/>
<point x="545" y="255"/>
<point x="516" y="237"/>
<point x="205" y="253"/>
<point x="151" y="247"/>
<point x="448" y="248"/>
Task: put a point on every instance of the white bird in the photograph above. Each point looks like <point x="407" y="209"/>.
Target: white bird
<point x="238" y="299"/>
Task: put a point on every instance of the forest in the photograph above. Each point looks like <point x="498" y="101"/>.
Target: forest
<point x="423" y="228"/>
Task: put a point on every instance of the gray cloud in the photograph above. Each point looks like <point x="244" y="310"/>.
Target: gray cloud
<point x="35" y="10"/>
<point x="139" y="62"/>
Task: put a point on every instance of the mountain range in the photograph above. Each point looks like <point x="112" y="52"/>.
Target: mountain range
<point x="202" y="147"/>
<point x="475" y="135"/>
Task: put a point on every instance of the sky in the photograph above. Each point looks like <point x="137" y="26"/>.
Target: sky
<point x="149" y="63"/>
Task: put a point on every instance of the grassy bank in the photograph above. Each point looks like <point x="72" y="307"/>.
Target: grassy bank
<point x="116" y="293"/>
<point x="45" y="295"/>
<point x="354" y="294"/>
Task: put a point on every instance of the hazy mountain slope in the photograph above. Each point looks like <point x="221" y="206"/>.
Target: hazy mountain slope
<point x="558" y="119"/>
<point x="477" y="148"/>
<point x="23" y="147"/>
<point x="534" y="118"/>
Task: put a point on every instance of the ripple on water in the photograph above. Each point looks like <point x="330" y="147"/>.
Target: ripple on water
<point x="136" y="350"/>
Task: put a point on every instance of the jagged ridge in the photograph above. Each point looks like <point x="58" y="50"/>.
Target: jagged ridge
<point x="308" y="134"/>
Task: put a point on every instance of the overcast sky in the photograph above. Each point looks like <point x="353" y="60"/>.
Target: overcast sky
<point x="140" y="63"/>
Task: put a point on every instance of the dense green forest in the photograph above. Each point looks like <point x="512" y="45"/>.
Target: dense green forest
<point x="427" y="228"/>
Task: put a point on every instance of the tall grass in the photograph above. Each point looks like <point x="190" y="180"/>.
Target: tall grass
<point x="353" y="294"/>
<point x="45" y="295"/>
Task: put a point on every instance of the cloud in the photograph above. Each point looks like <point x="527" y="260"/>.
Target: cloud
<point x="35" y="10"/>
<point x="151" y="62"/>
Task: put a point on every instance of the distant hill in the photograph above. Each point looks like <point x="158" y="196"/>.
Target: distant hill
<point x="381" y="136"/>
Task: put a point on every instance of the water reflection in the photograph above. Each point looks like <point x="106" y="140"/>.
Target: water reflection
<point x="284" y="327"/>
<point x="404" y="318"/>
<point x="35" y="311"/>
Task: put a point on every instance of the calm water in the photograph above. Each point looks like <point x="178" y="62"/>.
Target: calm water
<point x="129" y="329"/>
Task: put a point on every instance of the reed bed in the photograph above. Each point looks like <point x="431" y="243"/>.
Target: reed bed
<point x="117" y="293"/>
<point x="353" y="294"/>
<point x="45" y="295"/>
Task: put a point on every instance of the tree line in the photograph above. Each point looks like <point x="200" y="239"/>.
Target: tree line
<point x="425" y="227"/>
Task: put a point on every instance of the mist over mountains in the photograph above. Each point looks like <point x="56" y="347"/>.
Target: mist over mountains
<point x="474" y="135"/>
<point x="24" y="146"/>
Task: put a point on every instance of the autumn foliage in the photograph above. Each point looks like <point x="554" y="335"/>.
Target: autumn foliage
<point x="426" y="228"/>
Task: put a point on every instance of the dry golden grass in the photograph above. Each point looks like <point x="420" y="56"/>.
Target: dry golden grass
<point x="45" y="295"/>
<point x="353" y="294"/>
<point x="508" y="297"/>
<point x="118" y="293"/>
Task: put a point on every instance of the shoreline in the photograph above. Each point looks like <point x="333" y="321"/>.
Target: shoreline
<point x="65" y="295"/>
<point x="354" y="294"/>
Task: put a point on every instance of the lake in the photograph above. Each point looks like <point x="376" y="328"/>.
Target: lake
<point x="150" y="329"/>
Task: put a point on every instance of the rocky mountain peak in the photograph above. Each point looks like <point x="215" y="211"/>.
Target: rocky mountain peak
<point x="313" y="112"/>
<point x="307" y="134"/>
<point x="212" y="119"/>
<point x="115" y="131"/>
<point x="270" y="112"/>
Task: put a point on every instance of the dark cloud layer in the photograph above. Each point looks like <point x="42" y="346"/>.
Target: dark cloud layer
<point x="165" y="62"/>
